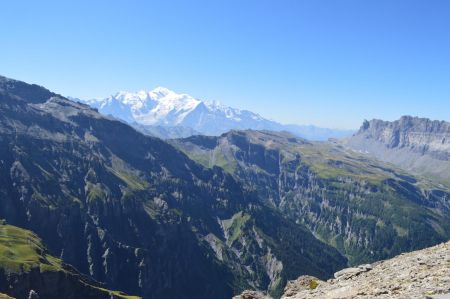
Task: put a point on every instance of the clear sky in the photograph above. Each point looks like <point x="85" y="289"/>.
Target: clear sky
<point x="329" y="63"/>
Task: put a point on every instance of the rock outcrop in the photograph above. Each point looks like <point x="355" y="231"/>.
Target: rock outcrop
<point x="419" y="274"/>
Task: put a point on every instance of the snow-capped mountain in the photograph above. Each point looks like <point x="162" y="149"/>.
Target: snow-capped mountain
<point x="168" y="114"/>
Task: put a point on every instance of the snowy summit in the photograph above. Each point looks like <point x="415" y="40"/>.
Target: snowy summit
<point x="167" y="110"/>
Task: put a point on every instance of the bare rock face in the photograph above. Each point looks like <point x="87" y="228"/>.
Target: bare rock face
<point x="418" y="274"/>
<point x="420" y="134"/>
<point x="415" y="144"/>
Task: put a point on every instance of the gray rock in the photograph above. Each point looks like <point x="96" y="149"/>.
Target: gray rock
<point x="251" y="295"/>
<point x="399" y="277"/>
<point x="348" y="272"/>
<point x="365" y="267"/>
<point x="304" y="282"/>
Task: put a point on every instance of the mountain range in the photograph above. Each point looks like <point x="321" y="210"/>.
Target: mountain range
<point x="91" y="206"/>
<point x="166" y="114"/>
<point x="134" y="213"/>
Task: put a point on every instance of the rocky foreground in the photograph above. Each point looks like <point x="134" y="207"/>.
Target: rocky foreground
<point x="419" y="274"/>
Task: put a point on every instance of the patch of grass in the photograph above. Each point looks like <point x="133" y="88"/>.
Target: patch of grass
<point x="210" y="159"/>
<point x="234" y="226"/>
<point x="313" y="284"/>
<point x="21" y="250"/>
<point x="133" y="181"/>
<point x="127" y="174"/>
<point x="222" y="162"/>
<point x="118" y="294"/>
<point x="95" y="192"/>
<point x="329" y="163"/>
<point x="200" y="158"/>
<point x="334" y="168"/>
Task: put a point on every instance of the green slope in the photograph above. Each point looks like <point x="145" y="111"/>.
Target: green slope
<point x="25" y="263"/>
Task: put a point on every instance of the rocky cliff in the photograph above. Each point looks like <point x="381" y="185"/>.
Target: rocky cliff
<point x="417" y="144"/>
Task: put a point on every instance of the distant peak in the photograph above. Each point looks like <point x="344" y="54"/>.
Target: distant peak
<point x="161" y="91"/>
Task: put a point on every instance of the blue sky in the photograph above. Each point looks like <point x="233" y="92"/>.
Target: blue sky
<point x="329" y="63"/>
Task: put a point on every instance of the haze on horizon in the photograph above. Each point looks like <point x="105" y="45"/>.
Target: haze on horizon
<point x="328" y="63"/>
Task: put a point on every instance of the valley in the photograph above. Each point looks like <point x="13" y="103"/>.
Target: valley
<point x="225" y="149"/>
<point x="195" y="217"/>
<point x="367" y="209"/>
<point x="139" y="220"/>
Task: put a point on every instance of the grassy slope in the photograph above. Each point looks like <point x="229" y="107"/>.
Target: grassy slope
<point x="21" y="250"/>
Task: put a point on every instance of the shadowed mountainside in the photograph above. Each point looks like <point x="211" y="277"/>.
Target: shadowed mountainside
<point x="133" y="212"/>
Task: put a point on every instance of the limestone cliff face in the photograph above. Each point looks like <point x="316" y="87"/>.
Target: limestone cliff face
<point x="417" y="144"/>
<point x="419" y="134"/>
<point x="419" y="274"/>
